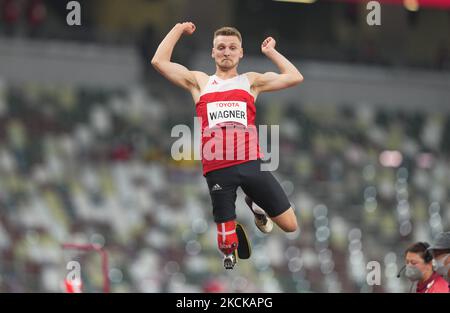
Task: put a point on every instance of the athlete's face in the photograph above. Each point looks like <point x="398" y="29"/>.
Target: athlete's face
<point x="227" y="51"/>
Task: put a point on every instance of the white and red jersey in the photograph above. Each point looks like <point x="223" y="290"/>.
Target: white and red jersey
<point x="226" y="110"/>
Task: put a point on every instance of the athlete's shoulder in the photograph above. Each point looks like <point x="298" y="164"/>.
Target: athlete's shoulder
<point x="201" y="78"/>
<point x="199" y="74"/>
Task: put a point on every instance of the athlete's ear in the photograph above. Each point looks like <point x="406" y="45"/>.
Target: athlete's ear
<point x="242" y="53"/>
<point x="212" y="52"/>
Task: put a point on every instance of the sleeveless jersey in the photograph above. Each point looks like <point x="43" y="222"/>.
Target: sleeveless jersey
<point x="226" y="111"/>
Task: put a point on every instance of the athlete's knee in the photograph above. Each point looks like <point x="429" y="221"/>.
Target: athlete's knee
<point x="287" y="221"/>
<point x="290" y="226"/>
<point x="226" y="237"/>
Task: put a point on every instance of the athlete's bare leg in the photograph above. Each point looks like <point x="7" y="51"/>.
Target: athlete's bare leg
<point x="286" y="221"/>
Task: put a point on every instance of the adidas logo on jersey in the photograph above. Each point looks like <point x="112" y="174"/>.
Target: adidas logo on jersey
<point x="216" y="187"/>
<point x="214" y="82"/>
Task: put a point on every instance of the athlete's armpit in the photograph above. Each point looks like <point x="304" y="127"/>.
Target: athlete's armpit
<point x="177" y="74"/>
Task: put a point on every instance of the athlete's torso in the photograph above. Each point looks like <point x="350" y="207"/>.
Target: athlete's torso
<point x="227" y="112"/>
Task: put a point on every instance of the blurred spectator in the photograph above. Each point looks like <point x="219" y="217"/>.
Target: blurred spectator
<point x="441" y="253"/>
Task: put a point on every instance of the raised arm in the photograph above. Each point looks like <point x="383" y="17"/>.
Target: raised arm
<point x="176" y="73"/>
<point x="289" y="75"/>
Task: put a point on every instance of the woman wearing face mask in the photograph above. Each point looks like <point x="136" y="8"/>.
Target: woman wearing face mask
<point x="419" y="270"/>
<point x="441" y="254"/>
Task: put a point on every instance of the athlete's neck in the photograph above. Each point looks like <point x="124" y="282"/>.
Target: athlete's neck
<point x="226" y="74"/>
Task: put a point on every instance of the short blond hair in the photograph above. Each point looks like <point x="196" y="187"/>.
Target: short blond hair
<point x="228" y="31"/>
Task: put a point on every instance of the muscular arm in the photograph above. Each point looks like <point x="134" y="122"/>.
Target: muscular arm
<point x="174" y="72"/>
<point x="289" y="75"/>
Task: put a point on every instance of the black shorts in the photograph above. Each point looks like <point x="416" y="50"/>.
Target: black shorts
<point x="260" y="186"/>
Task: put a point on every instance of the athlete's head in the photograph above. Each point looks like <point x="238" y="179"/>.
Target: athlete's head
<point x="227" y="47"/>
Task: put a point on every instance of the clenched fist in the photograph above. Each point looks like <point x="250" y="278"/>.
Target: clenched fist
<point x="188" y="28"/>
<point x="268" y="44"/>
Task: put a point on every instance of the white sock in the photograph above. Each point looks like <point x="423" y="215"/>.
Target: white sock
<point x="257" y="209"/>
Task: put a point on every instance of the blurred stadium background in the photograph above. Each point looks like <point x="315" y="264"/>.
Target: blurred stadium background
<point x="85" y="144"/>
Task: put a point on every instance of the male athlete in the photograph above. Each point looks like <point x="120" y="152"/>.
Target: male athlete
<point x="225" y="106"/>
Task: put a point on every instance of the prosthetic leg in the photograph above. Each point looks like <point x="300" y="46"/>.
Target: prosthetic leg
<point x="232" y="238"/>
<point x="244" y="249"/>
<point x="228" y="242"/>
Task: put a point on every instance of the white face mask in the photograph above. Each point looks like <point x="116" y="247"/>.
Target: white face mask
<point x="413" y="273"/>
<point x="441" y="268"/>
